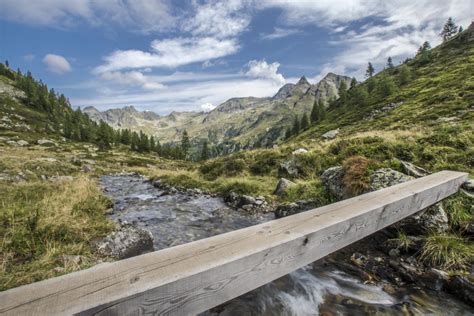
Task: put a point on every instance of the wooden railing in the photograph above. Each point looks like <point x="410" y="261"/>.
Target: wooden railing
<point x="197" y="276"/>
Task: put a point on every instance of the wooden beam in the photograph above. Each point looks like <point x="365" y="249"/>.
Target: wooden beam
<point x="194" y="277"/>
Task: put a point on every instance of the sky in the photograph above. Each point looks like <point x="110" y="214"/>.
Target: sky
<point x="164" y="55"/>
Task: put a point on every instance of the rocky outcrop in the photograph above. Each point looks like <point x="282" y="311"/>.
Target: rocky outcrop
<point x="46" y="142"/>
<point x="127" y="242"/>
<point x="288" y="168"/>
<point x="282" y="185"/>
<point x="412" y="170"/>
<point x="332" y="179"/>
<point x="433" y="218"/>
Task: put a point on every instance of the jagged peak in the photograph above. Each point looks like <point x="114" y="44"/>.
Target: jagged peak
<point x="130" y="108"/>
<point x="302" y="81"/>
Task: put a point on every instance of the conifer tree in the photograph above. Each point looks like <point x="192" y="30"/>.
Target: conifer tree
<point x="343" y="93"/>
<point x="314" y="112"/>
<point x="321" y="111"/>
<point x="304" y="122"/>
<point x="296" y="126"/>
<point x="288" y="132"/>
<point x="353" y="82"/>
<point x="460" y="30"/>
<point x="449" y="29"/>
<point x="389" y="63"/>
<point x="204" y="150"/>
<point x="404" y="74"/>
<point x="7" y="64"/>
<point x="185" y="144"/>
<point x="370" y="70"/>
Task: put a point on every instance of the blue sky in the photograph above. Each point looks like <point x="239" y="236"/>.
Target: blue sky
<point x="168" y="56"/>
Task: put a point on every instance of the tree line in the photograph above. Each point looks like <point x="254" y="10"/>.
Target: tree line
<point x="76" y="125"/>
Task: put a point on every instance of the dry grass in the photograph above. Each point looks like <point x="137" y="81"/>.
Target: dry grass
<point x="356" y="177"/>
<point x="43" y="221"/>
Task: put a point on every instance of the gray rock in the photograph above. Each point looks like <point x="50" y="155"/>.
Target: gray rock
<point x="46" y="142"/>
<point x="282" y="185"/>
<point x="333" y="181"/>
<point x="288" y="209"/>
<point x="127" y="242"/>
<point x="394" y="252"/>
<point x="246" y="200"/>
<point x="87" y="168"/>
<point x="413" y="170"/>
<point x="330" y="134"/>
<point x="289" y="168"/>
<point x="22" y="143"/>
<point x="299" y="151"/>
<point x="386" y="177"/>
<point x="469" y="186"/>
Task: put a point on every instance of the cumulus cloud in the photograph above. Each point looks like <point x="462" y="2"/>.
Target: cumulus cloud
<point x="57" y="64"/>
<point x="262" y="69"/>
<point x="170" y="53"/>
<point x="208" y="106"/>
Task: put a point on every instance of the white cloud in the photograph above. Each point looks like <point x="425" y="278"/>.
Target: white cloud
<point x="57" y="63"/>
<point x="208" y="106"/>
<point x="170" y="53"/>
<point x="279" y="33"/>
<point x="141" y="15"/>
<point x="262" y="69"/>
<point x="218" y="19"/>
<point x="133" y="78"/>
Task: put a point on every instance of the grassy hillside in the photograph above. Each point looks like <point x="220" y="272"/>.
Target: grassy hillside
<point x="421" y="111"/>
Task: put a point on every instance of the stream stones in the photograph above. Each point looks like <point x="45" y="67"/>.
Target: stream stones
<point x="288" y="209"/>
<point x="247" y="203"/>
<point x="127" y="242"/>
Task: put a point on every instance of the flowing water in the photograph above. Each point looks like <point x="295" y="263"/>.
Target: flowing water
<point x="319" y="288"/>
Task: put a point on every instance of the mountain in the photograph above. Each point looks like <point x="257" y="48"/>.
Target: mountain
<point x="235" y="124"/>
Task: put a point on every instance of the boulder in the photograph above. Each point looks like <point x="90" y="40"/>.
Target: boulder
<point x="469" y="186"/>
<point x="433" y="218"/>
<point x="331" y="134"/>
<point x="127" y="242"/>
<point x="289" y="168"/>
<point x="22" y="143"/>
<point x="299" y="151"/>
<point x="412" y="170"/>
<point x="61" y="178"/>
<point x="386" y="177"/>
<point x="282" y="185"/>
<point x="333" y="181"/>
<point x="46" y="142"/>
<point x="288" y="209"/>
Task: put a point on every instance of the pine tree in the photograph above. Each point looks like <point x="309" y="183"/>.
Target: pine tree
<point x="204" y="150"/>
<point x="289" y="132"/>
<point x="389" y="63"/>
<point x="425" y="47"/>
<point x="296" y="126"/>
<point x="343" y="92"/>
<point x="7" y="64"/>
<point x="185" y="144"/>
<point x="460" y="30"/>
<point x="321" y="111"/>
<point x="353" y="82"/>
<point x="386" y="87"/>
<point x="304" y="122"/>
<point x="370" y="70"/>
<point x="314" y="112"/>
<point x="152" y="144"/>
<point x="449" y="29"/>
<point x="360" y="96"/>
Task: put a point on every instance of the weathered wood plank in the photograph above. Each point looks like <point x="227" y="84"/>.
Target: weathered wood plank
<point x="194" y="277"/>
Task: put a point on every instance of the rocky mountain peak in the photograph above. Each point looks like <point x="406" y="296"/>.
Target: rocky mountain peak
<point x="303" y="81"/>
<point x="130" y="108"/>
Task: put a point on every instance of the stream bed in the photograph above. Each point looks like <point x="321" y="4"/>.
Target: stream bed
<point x="319" y="288"/>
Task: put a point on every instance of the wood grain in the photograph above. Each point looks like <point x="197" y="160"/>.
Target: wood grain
<point x="194" y="277"/>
